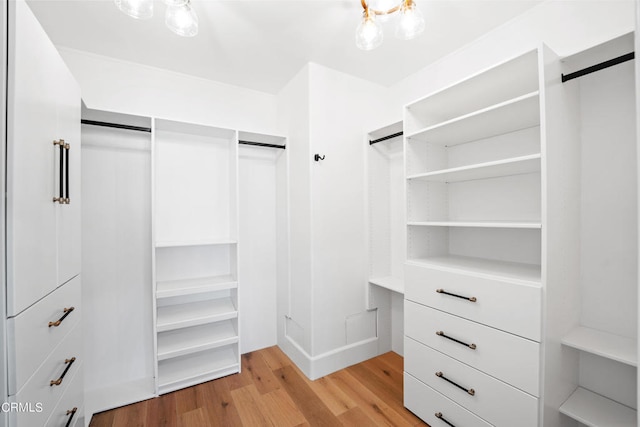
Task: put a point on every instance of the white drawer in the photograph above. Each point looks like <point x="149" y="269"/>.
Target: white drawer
<point x="510" y="358"/>
<point x="73" y="398"/>
<point x="492" y="400"/>
<point x="509" y="306"/>
<point x="39" y="388"/>
<point x="425" y="402"/>
<point x="31" y="339"/>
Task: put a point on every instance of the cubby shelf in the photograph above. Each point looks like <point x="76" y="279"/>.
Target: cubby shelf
<point x="498" y="168"/>
<point x="191" y="340"/>
<point x="515" y="114"/>
<point x="527" y="274"/>
<point x="610" y="346"/>
<point x="196" y="313"/>
<point x="394" y="284"/>
<point x="173" y="288"/>
<point x="196" y="368"/>
<point x="594" y="410"/>
<point x="478" y="224"/>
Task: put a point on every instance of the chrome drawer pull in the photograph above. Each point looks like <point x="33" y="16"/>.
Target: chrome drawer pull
<point x="66" y="312"/>
<point x="442" y="334"/>
<point x="71" y="412"/>
<point x="471" y="391"/>
<point x="67" y="362"/>
<point x="442" y="291"/>
<point x="443" y="419"/>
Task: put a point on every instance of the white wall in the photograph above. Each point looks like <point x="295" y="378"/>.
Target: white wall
<point x="565" y="26"/>
<point x="115" y="85"/>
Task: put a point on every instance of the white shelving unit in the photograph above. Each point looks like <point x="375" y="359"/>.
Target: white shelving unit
<point x="195" y="253"/>
<point x="385" y="164"/>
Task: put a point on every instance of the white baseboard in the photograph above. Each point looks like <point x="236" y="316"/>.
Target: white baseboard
<point x="326" y="363"/>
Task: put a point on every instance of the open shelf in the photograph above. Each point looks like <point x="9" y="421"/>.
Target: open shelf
<point x="594" y="410"/>
<point x="173" y="288"/>
<point x="506" y="167"/>
<point x="204" y="242"/>
<point x="181" y="372"/>
<point x="509" y="116"/>
<point x="614" y="347"/>
<point x="198" y="338"/>
<point x="389" y="282"/>
<point x="195" y="313"/>
<point x="524" y="273"/>
<point x="479" y="224"/>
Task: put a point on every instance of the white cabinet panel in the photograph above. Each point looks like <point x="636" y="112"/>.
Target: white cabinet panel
<point x="486" y="396"/>
<point x="31" y="339"/>
<point x="507" y="357"/>
<point x="505" y="305"/>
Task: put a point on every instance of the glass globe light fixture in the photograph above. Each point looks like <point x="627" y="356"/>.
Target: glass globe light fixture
<point x="182" y="20"/>
<point x="368" y="34"/>
<point x="410" y="22"/>
<point x="138" y="9"/>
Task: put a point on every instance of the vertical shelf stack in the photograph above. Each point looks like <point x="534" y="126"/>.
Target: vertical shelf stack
<point x="473" y="271"/>
<point x="195" y="253"/>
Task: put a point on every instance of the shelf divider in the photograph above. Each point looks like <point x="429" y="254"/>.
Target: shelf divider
<point x="610" y="346"/>
<point x="594" y="410"/>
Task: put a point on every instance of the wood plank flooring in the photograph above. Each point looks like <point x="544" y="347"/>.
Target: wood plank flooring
<point x="272" y="391"/>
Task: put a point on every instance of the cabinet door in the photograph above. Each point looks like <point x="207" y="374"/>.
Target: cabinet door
<point x="68" y="215"/>
<point x="32" y="161"/>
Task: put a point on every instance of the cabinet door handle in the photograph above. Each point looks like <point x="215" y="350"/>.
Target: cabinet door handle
<point x="470" y="391"/>
<point x="442" y="291"/>
<point x="71" y="412"/>
<point x="443" y="419"/>
<point x="67" y="197"/>
<point x="60" y="198"/>
<point x="67" y="362"/>
<point x="66" y="312"/>
<point x="443" y="335"/>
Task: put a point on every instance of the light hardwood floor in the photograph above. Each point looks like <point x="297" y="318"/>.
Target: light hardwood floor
<point x="272" y="391"/>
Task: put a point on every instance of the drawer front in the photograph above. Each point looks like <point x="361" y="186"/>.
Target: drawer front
<point x="73" y="398"/>
<point x="507" y="357"/>
<point x="492" y="400"/>
<point x="39" y="388"/>
<point x="504" y="305"/>
<point x="425" y="402"/>
<point x="31" y="339"/>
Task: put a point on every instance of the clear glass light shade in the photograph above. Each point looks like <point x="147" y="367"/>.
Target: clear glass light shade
<point x="182" y="20"/>
<point x="368" y="34"/>
<point x="410" y="22"/>
<point x="139" y="9"/>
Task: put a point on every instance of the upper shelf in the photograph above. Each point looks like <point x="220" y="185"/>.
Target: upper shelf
<point x="204" y="242"/>
<point x="614" y="347"/>
<point x="514" y="114"/>
<point x="513" y="166"/>
<point x="173" y="288"/>
<point x="479" y="224"/>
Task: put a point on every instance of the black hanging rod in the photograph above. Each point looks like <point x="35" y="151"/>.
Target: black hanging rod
<point x="115" y="125"/>
<point x="598" y="67"/>
<point x="261" y="144"/>
<point x="384" y="138"/>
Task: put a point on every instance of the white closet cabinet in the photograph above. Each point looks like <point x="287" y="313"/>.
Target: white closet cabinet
<point x="386" y="190"/>
<point x="44" y="336"/>
<point x="480" y="164"/>
<point x="196" y="253"/>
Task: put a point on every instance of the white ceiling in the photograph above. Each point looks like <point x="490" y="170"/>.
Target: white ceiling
<point x="262" y="44"/>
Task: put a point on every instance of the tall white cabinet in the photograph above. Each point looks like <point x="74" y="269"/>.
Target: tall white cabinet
<point x="195" y="253"/>
<point x="44" y="336"/>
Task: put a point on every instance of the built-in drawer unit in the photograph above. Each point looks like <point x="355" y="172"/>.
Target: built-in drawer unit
<point x="508" y="357"/>
<point x="507" y="305"/>
<point x="34" y="333"/>
<point x="69" y="410"/>
<point x="50" y="382"/>
<point x="491" y="399"/>
<point x="436" y="409"/>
